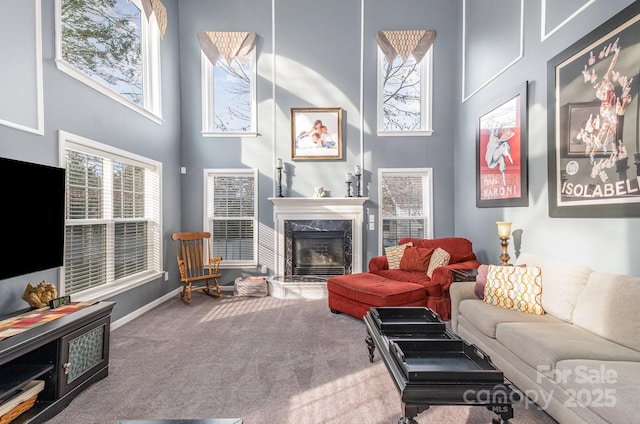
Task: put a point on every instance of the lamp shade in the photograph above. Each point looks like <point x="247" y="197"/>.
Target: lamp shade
<point x="504" y="229"/>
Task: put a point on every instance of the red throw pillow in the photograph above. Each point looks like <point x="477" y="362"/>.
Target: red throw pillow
<point x="416" y="259"/>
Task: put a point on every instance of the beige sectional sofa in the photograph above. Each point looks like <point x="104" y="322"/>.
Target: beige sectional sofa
<point x="580" y="361"/>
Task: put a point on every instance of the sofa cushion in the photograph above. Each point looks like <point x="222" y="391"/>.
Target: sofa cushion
<point x="375" y="290"/>
<point x="542" y="345"/>
<point x="609" y="388"/>
<point x="416" y="259"/>
<point x="394" y="254"/>
<point x="512" y="287"/>
<point x="608" y="306"/>
<point x="439" y="257"/>
<point x="433" y="288"/>
<point x="486" y="317"/>
<point x="562" y="282"/>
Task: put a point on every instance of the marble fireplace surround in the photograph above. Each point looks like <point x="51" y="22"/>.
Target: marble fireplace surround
<point x="318" y="209"/>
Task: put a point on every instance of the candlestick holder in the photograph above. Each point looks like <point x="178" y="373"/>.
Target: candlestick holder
<point x="348" y="183"/>
<point x="358" y="185"/>
<point x="279" y="169"/>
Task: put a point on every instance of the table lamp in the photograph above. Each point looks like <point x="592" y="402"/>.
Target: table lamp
<point x="504" y="232"/>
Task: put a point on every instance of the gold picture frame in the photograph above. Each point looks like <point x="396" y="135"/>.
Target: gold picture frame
<point x="316" y="133"/>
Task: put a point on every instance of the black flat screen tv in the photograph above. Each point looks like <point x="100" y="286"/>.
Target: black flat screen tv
<point x="33" y="200"/>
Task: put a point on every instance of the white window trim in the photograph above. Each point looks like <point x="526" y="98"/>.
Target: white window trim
<point x="426" y="97"/>
<point x="207" y="96"/>
<point x="152" y="80"/>
<point x="38" y="129"/>
<point x="67" y="140"/>
<point x="425" y="173"/>
<point x="226" y="264"/>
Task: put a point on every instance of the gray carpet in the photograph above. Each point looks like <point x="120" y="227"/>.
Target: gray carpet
<point x="264" y="360"/>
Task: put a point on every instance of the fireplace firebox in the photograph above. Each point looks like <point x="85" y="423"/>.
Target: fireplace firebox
<point x="318" y="253"/>
<point x="319" y="248"/>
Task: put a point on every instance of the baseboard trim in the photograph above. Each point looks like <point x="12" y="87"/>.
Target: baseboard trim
<point x="146" y="308"/>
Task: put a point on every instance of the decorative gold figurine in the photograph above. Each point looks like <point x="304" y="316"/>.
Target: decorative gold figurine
<point x="40" y="295"/>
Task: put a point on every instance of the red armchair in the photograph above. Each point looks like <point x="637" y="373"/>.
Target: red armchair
<point x="355" y="294"/>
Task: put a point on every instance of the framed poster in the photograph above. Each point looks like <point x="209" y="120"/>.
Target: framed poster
<point x="593" y="150"/>
<point x="316" y="133"/>
<point x="501" y="154"/>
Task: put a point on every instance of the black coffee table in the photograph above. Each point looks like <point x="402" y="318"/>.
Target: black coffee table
<point x="430" y="365"/>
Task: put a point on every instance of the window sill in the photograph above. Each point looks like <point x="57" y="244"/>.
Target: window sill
<point x="109" y="291"/>
<point x="215" y="134"/>
<point x="76" y="74"/>
<point x="405" y="133"/>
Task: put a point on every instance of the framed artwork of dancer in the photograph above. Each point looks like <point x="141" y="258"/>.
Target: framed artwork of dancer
<point x="501" y="154"/>
<point x="316" y="133"/>
<point x="593" y="149"/>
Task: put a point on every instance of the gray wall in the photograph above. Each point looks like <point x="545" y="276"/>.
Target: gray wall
<point x="318" y="50"/>
<point x="604" y="244"/>
<point x="317" y="63"/>
<point x="74" y="107"/>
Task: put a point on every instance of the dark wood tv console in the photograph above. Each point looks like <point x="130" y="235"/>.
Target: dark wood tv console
<point x="69" y="354"/>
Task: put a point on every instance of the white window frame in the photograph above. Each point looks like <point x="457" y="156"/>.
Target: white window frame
<point x="151" y="64"/>
<point x="208" y="100"/>
<point x="426" y="98"/>
<point x="427" y="190"/>
<point x="153" y="212"/>
<point x="208" y="212"/>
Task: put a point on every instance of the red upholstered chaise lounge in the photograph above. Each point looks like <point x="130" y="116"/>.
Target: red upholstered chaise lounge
<point x="355" y="294"/>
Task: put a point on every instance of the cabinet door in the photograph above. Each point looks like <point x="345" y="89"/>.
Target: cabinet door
<point x="82" y="354"/>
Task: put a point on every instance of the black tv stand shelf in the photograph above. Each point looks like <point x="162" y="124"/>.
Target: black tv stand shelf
<point x="15" y="377"/>
<point x="56" y="352"/>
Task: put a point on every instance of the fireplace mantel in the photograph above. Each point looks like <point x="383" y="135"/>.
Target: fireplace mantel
<point x="318" y="208"/>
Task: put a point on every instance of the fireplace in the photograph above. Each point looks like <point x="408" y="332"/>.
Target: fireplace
<point x="325" y="218"/>
<point x="318" y="247"/>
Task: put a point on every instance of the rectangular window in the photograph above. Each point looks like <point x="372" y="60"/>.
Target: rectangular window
<point x="112" y="219"/>
<point x="404" y="95"/>
<point x="112" y="47"/>
<point x="229" y="96"/>
<point x="406" y="204"/>
<point x="231" y="215"/>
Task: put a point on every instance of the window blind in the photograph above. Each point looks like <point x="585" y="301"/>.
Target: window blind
<point x="112" y="218"/>
<point x="405" y="205"/>
<point x="231" y="212"/>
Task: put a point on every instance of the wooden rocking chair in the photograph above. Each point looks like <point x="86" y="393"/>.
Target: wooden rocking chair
<point x="194" y="266"/>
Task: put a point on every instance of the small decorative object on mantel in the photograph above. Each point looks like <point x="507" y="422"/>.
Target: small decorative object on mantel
<point x="279" y="167"/>
<point x="349" y="181"/>
<point x="318" y="191"/>
<point x="39" y="296"/>
<point x="358" y="174"/>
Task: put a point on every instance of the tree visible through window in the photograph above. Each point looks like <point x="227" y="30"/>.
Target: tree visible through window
<point x="404" y="82"/>
<point x="228" y="83"/>
<point x="102" y="38"/>
<point x="110" y="45"/>
<point x="232" y="110"/>
<point x="401" y="97"/>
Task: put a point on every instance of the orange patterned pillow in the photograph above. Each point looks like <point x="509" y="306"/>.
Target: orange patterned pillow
<point x="517" y="288"/>
<point x="439" y="257"/>
<point x="394" y="254"/>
